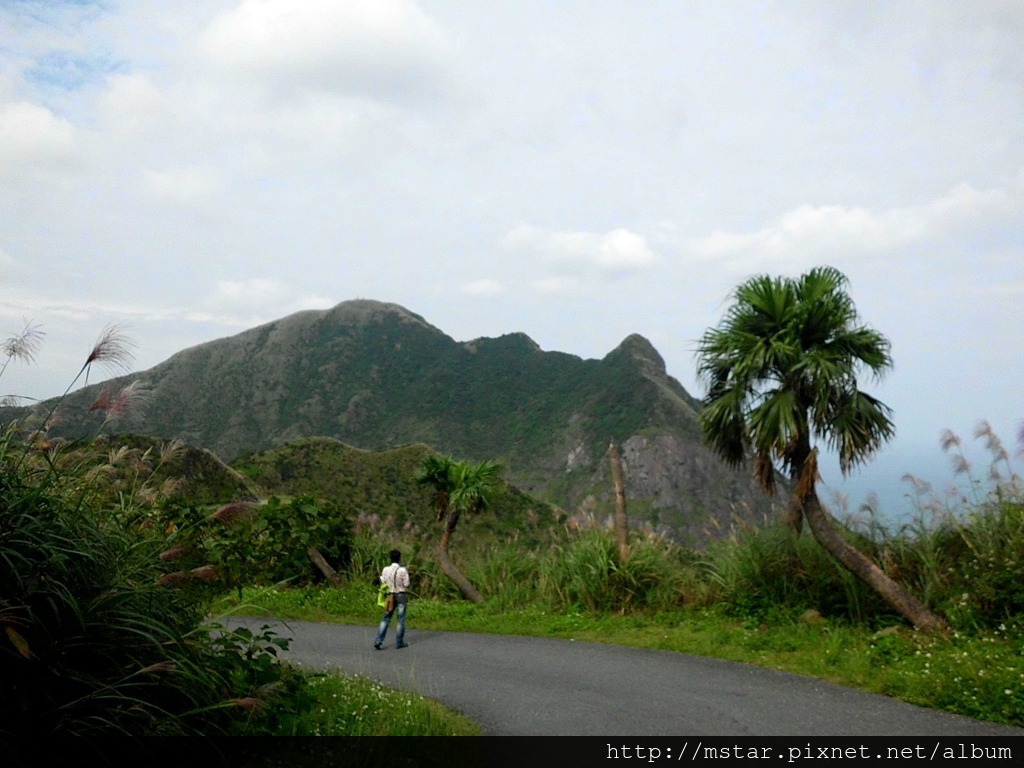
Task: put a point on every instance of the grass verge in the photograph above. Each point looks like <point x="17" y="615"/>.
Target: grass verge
<point x="358" y="706"/>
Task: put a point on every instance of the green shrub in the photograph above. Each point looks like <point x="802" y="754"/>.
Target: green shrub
<point x="507" y="576"/>
<point x="92" y="642"/>
<point x="96" y="640"/>
<point x="773" y="573"/>
<point x="586" y="572"/>
<point x="964" y="552"/>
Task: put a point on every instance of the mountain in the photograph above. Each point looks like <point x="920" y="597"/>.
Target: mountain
<point x="376" y="376"/>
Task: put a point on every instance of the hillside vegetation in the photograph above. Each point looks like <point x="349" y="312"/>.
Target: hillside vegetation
<point x="378" y="491"/>
<point x="376" y="376"/>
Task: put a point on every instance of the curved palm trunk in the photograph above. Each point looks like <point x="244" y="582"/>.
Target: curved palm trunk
<point x="445" y="560"/>
<point x="856" y="562"/>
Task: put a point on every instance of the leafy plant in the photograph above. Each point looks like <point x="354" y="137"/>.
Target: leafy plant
<point x="94" y="642"/>
<point x="247" y="543"/>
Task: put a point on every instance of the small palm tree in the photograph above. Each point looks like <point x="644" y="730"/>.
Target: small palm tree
<point x="781" y="370"/>
<point x="458" y="487"/>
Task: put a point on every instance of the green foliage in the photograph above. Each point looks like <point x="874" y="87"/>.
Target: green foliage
<point x="782" y="369"/>
<point x="249" y="543"/>
<point x="359" y="706"/>
<point x="771" y="573"/>
<point x="508" y="575"/>
<point x="964" y="552"/>
<point x="459" y="486"/>
<point x="94" y="641"/>
<point x="359" y="482"/>
<point x="973" y="675"/>
<point x="380" y="492"/>
<point x="582" y="572"/>
<point x="986" y="588"/>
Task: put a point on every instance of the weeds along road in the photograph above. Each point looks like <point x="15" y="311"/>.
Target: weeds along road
<point x="526" y="686"/>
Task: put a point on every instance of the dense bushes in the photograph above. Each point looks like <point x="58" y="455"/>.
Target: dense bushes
<point x="248" y="543"/>
<point x="93" y="644"/>
<point x="97" y="639"/>
<point x="770" y="573"/>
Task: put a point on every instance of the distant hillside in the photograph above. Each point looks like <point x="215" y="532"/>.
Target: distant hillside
<point x="380" y="488"/>
<point x="376" y="376"/>
<point x="129" y="465"/>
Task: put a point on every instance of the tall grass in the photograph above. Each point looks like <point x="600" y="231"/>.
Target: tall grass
<point x="587" y="572"/>
<point x="92" y="642"/>
<point x="964" y="550"/>
<point x="770" y="573"/>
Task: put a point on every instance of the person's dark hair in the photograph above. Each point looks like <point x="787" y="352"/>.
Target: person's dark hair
<point x="396" y="556"/>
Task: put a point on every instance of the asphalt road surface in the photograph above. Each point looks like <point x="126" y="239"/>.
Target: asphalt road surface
<point x="525" y="686"/>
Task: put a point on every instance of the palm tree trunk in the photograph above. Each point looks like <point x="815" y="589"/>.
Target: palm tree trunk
<point x="444" y="558"/>
<point x="861" y="566"/>
<point x="621" y="523"/>
<point x="793" y="517"/>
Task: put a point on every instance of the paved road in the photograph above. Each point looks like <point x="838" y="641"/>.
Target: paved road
<point x="523" y="686"/>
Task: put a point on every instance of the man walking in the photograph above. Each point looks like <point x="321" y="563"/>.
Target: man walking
<point x="396" y="577"/>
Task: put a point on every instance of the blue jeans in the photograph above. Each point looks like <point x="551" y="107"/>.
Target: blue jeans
<point x="401" y="602"/>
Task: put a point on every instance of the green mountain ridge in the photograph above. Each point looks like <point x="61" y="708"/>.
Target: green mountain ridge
<point x="375" y="376"/>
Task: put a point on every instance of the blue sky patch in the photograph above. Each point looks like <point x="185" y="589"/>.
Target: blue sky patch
<point x="70" y="71"/>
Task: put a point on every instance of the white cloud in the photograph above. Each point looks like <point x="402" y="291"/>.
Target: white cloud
<point x="33" y="139"/>
<point x="808" y="234"/>
<point x="132" y="106"/>
<point x="618" y="250"/>
<point x="621" y="249"/>
<point x="257" y="300"/>
<point x="238" y="294"/>
<point x="558" y="286"/>
<point x="379" y="48"/>
<point x="484" y="287"/>
<point x="188" y="185"/>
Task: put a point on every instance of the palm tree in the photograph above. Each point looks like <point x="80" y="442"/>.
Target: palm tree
<point x="458" y="487"/>
<point x="781" y="371"/>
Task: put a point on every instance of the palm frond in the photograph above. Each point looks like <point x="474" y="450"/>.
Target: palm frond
<point x="782" y="367"/>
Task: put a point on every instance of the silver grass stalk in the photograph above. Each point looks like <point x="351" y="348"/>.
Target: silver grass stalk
<point x="113" y="350"/>
<point x="24" y="345"/>
<point x="21" y="346"/>
<point x="131" y="402"/>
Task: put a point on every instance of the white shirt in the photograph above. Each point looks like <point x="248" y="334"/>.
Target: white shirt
<point x="396" y="577"/>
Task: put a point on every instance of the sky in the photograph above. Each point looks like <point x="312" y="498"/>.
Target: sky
<point x="576" y="170"/>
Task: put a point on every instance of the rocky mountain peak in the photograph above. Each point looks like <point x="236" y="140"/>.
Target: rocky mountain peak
<point x="638" y="348"/>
